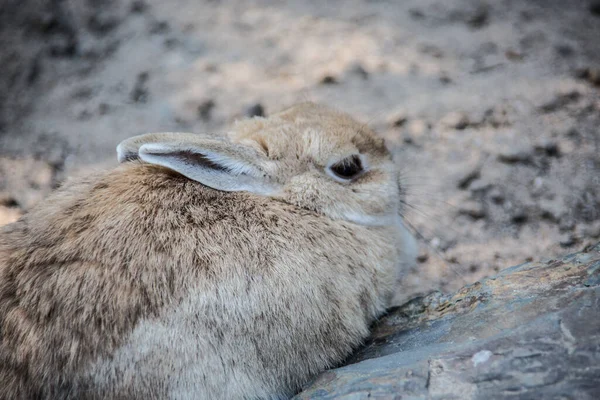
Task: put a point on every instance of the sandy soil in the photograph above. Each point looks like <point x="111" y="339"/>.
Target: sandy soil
<point x="492" y="107"/>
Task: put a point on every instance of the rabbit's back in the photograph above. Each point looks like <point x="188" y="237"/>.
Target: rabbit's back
<point x="142" y="283"/>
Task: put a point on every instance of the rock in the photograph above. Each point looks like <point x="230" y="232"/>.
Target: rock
<point x="256" y="110"/>
<point x="592" y="75"/>
<point x="566" y="224"/>
<point x="8" y="201"/>
<point x="205" y="109"/>
<point x="418" y="127"/>
<point x="567" y="239"/>
<point x="100" y="23"/>
<point x="358" y="70"/>
<point x="514" y="155"/>
<point x="479" y="185"/>
<point x="551" y="209"/>
<point x="138" y="6"/>
<point x="472" y="208"/>
<point x="564" y="50"/>
<point x="548" y="147"/>
<point x="479" y="18"/>
<point x="468" y="177"/>
<point x="328" y="80"/>
<point x="62" y="46"/>
<point x="397" y="118"/>
<point x="139" y="93"/>
<point x="445" y="79"/>
<point x="560" y="101"/>
<point x="158" y="27"/>
<point x="455" y="120"/>
<point x="496" y="195"/>
<point x="518" y="215"/>
<point x="416" y="13"/>
<point x="422" y="256"/>
<point x="532" y="331"/>
<point x="592" y="230"/>
<point x="513" y="55"/>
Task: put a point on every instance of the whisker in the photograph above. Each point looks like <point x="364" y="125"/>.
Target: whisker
<point x="436" y="251"/>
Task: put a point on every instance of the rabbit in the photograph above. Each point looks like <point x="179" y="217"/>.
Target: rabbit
<point x="203" y="267"/>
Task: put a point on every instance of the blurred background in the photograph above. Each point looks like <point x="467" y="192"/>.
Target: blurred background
<point x="493" y="108"/>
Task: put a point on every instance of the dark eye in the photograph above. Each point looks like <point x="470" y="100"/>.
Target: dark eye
<point x="348" y="168"/>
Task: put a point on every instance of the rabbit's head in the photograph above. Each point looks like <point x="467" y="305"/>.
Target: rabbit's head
<point x="309" y="155"/>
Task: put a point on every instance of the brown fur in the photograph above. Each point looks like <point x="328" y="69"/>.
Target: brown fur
<point x="236" y="295"/>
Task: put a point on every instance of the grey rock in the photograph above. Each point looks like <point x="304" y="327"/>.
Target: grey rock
<point x="139" y="93"/>
<point x="530" y="332"/>
<point x="471" y="175"/>
<point x="591" y="74"/>
<point x="479" y="185"/>
<point x="496" y="195"/>
<point x="455" y="120"/>
<point x="472" y="208"/>
<point x="358" y="70"/>
<point x="328" y="80"/>
<point x="514" y="156"/>
<point x="567" y="239"/>
<point x="205" y="109"/>
<point x="256" y="110"/>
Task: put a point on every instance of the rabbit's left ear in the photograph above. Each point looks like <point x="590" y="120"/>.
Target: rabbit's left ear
<point x="218" y="164"/>
<point x="128" y="149"/>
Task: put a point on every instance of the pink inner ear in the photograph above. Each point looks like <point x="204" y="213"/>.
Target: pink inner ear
<point x="192" y="158"/>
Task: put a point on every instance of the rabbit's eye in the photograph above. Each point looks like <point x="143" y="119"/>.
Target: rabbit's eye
<point x="348" y="168"/>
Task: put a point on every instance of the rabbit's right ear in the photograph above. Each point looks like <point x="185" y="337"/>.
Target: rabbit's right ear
<point x="218" y="164"/>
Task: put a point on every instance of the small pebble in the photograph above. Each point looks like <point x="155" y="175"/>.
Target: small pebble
<point x="496" y="195"/>
<point x="159" y="27"/>
<point x="328" y="80"/>
<point x="205" y="109"/>
<point x="102" y="22"/>
<point x="472" y="208"/>
<point x="455" y="120"/>
<point x="256" y="110"/>
<point x="445" y="79"/>
<point x="514" y="55"/>
<point x="592" y="230"/>
<point x="469" y="177"/>
<point x="139" y="93"/>
<point x="549" y="147"/>
<point x="591" y="75"/>
<point x="397" y="118"/>
<point x="479" y="185"/>
<point x="551" y="210"/>
<point x="519" y="216"/>
<point x="418" y="127"/>
<point x="567" y="240"/>
<point x="138" y="6"/>
<point x="560" y="100"/>
<point x="8" y="201"/>
<point x="513" y="156"/>
<point x="358" y="70"/>
<point x="103" y="108"/>
<point x="479" y="18"/>
<point x="566" y="224"/>
<point x="422" y="256"/>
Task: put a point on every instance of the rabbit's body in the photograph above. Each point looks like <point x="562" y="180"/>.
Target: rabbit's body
<point x="143" y="283"/>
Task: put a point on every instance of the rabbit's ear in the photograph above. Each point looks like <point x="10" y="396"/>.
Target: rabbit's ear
<point x="215" y="163"/>
<point x="128" y="149"/>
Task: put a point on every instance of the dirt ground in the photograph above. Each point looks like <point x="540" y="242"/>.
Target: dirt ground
<point x="493" y="108"/>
